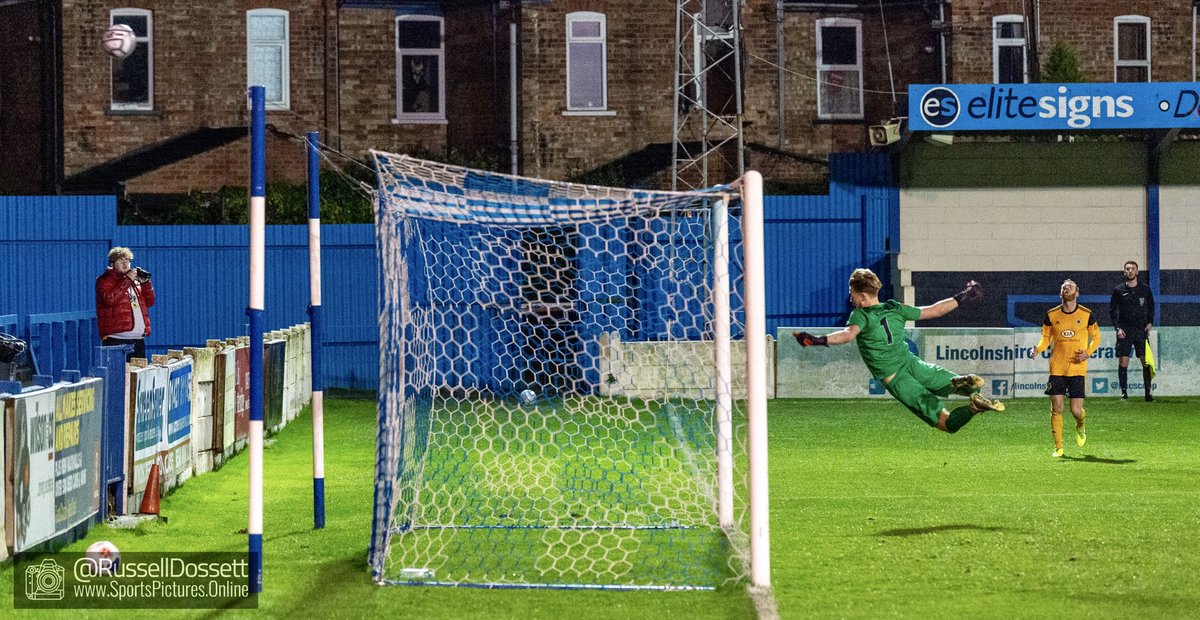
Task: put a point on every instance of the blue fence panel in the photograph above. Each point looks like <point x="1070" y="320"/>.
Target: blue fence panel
<point x="51" y="250"/>
<point x="812" y="243"/>
<point x="63" y="341"/>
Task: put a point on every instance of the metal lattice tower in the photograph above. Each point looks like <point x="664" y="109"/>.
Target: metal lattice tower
<point x="707" y="132"/>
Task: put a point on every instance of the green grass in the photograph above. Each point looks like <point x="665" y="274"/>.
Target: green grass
<point x="873" y="514"/>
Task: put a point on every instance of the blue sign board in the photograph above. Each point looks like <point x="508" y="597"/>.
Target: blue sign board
<point x="1053" y="107"/>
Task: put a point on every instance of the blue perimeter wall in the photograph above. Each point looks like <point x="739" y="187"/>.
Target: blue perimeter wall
<point x="53" y="247"/>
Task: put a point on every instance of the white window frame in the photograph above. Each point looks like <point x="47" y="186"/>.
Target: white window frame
<point x="284" y="102"/>
<point x="998" y="42"/>
<point x="822" y="66"/>
<point x="1117" y="62"/>
<point x="435" y="117"/>
<point x="602" y="39"/>
<point x="147" y="41"/>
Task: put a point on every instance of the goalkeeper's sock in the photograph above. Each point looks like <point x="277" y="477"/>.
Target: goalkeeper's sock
<point x="1123" y="378"/>
<point x="958" y="418"/>
<point x="1056" y="429"/>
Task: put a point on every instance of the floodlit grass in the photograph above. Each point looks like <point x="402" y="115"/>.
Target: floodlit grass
<point x="873" y="514"/>
<point x="323" y="573"/>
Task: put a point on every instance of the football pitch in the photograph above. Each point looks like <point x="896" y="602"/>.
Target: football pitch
<point x="872" y="514"/>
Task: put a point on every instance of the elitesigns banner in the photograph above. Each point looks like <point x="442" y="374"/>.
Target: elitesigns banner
<point x="1053" y="107"/>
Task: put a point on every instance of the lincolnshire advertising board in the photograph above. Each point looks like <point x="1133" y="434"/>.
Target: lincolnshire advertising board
<point x="1000" y="355"/>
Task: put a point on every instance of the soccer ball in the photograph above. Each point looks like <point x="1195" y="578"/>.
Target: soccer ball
<point x="526" y="397"/>
<point x="103" y="557"/>
<point x="119" y="40"/>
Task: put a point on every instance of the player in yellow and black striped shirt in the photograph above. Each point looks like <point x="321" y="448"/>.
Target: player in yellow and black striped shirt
<point x="1073" y="333"/>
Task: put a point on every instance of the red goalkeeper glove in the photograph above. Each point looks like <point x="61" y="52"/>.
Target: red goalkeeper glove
<point x="808" y="340"/>
<point x="973" y="292"/>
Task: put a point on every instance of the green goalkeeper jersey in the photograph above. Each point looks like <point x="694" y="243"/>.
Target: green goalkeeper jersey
<point x="881" y="339"/>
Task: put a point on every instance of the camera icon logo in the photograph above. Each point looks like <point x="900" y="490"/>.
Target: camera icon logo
<point x="44" y="581"/>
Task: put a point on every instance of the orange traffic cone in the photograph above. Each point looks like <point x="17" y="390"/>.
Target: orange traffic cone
<point x="150" y="497"/>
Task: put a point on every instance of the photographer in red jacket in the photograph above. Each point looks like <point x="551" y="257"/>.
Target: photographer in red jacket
<point x="123" y="298"/>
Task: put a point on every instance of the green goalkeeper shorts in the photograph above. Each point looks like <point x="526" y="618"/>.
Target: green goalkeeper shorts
<point x="921" y="386"/>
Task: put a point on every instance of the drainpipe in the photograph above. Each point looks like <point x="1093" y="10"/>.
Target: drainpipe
<point x="514" y="150"/>
<point x="942" y="37"/>
<point x="782" y="73"/>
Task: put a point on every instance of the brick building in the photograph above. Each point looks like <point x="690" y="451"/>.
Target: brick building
<point x="596" y="88"/>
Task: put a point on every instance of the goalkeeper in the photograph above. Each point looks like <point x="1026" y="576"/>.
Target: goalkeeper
<point x="879" y="330"/>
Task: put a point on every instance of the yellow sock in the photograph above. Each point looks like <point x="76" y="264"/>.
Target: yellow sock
<point x="1056" y="429"/>
<point x="1080" y="418"/>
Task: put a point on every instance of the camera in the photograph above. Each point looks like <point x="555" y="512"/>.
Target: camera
<point x="44" y="582"/>
<point x="142" y="274"/>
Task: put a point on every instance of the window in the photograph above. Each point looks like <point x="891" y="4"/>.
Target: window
<point x="420" y="69"/>
<point x="587" y="64"/>
<point x="1008" y="50"/>
<point x="1131" y="48"/>
<point x="839" y="68"/>
<point x="133" y="76"/>
<point x="267" y="55"/>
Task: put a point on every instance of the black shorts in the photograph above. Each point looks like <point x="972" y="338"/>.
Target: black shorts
<point x="1132" y="340"/>
<point x="1071" y="386"/>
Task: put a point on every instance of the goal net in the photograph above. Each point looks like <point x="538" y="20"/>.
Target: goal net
<point x="557" y="396"/>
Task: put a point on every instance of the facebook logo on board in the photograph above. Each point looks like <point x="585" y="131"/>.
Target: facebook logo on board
<point x="1099" y="385"/>
<point x="1000" y="387"/>
<point x="875" y="386"/>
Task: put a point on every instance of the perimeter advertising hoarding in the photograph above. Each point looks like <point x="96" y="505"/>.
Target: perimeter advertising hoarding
<point x="149" y="389"/>
<point x="1053" y="107"/>
<point x="177" y="456"/>
<point x="33" y="469"/>
<point x="56" y="461"/>
<point x="77" y="433"/>
<point x="1030" y="375"/>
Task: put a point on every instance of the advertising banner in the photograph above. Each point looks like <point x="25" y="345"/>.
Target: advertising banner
<point x="273" y="356"/>
<point x="1031" y="375"/>
<point x="989" y="353"/>
<point x="241" y="411"/>
<point x="224" y="401"/>
<point x="819" y="372"/>
<point x="77" y="432"/>
<point x="149" y="388"/>
<point x="33" y="469"/>
<point x="6" y="407"/>
<point x="178" y="453"/>
<point x="1053" y="107"/>
<point x="202" y="410"/>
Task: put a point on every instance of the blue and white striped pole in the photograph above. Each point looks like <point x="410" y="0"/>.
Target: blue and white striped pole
<point x="314" y="312"/>
<point x="258" y="217"/>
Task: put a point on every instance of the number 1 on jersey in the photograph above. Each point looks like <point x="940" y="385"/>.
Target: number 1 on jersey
<point x="886" y="329"/>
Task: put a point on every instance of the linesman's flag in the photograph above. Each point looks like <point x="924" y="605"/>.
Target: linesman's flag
<point x="1150" y="360"/>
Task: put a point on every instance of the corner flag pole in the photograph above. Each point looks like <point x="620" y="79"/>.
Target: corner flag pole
<point x="258" y="217"/>
<point x="314" y="312"/>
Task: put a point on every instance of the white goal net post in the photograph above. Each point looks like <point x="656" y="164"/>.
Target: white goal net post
<point x="516" y="447"/>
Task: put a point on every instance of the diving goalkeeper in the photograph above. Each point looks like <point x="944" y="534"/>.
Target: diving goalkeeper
<point x="879" y="330"/>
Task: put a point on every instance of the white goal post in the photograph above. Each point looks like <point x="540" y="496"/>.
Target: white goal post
<point x="558" y="405"/>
